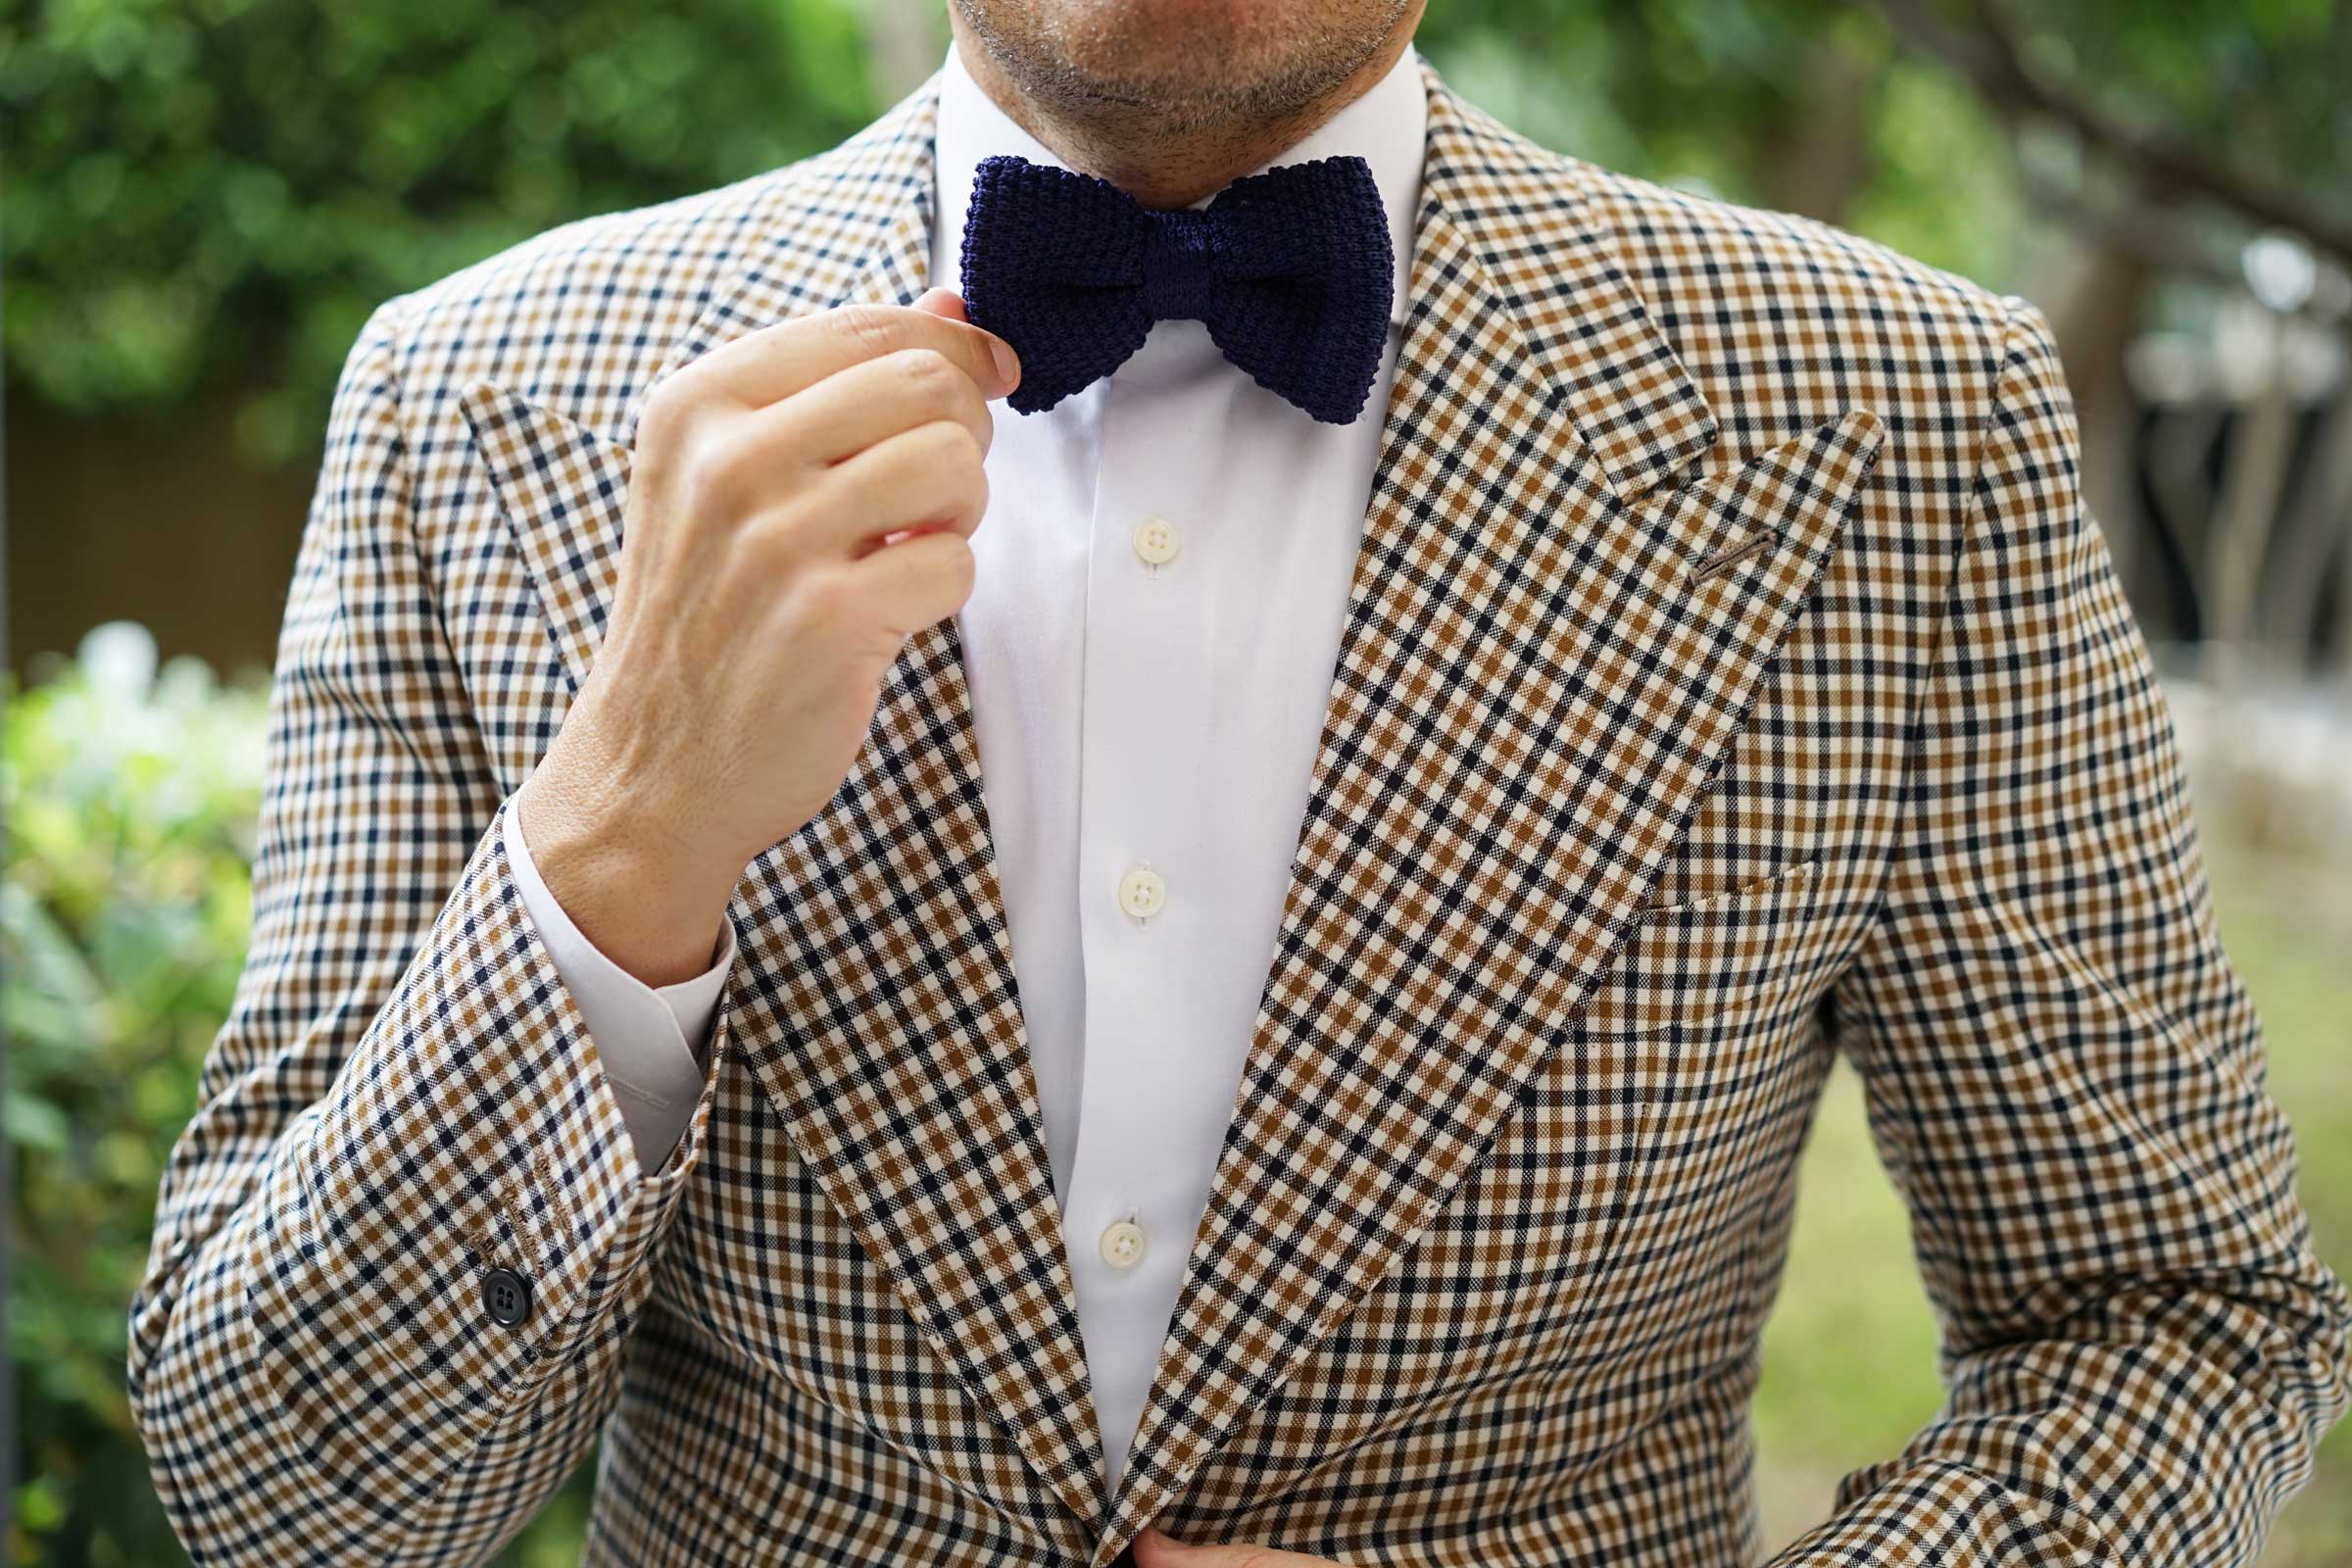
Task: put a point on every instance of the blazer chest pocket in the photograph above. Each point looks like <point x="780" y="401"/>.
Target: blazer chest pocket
<point x="1675" y="1080"/>
<point x="1709" y="1009"/>
<point x="1709" y="961"/>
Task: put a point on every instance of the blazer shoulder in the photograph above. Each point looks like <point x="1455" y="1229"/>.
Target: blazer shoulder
<point x="1784" y="322"/>
<point x="1688" y="253"/>
<point x="1678" y="243"/>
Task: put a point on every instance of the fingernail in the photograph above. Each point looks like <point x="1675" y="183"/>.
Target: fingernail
<point x="1008" y="363"/>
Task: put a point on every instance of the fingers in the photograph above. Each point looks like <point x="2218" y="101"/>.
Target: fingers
<point x="915" y="582"/>
<point x="930" y="475"/>
<point x="791" y="356"/>
<point x="847" y="413"/>
<point x="1154" y="1549"/>
<point x="942" y="302"/>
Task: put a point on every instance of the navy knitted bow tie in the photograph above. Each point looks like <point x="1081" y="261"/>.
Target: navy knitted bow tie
<point x="1289" y="269"/>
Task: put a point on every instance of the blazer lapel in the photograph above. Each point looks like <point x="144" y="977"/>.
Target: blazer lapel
<point x="875" y="1001"/>
<point x="1547" y="649"/>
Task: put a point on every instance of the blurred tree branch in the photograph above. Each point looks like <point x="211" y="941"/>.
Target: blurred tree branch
<point x="1987" y="49"/>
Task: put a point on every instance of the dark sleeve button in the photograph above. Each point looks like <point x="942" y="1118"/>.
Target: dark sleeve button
<point x="506" y="1296"/>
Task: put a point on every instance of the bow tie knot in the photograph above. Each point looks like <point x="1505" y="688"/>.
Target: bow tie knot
<point x="1290" y="270"/>
<point x="1179" y="265"/>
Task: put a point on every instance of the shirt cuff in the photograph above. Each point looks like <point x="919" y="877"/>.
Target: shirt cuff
<point x="651" y="1042"/>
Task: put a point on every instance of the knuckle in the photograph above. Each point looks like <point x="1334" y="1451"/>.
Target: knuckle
<point x="774" y="538"/>
<point x="826" y="599"/>
<point x="868" y="327"/>
<point x="948" y="571"/>
<point x="929" y="376"/>
<point x="724" y="463"/>
<point x="662" y="419"/>
<point x="953" y="441"/>
<point x="959" y="564"/>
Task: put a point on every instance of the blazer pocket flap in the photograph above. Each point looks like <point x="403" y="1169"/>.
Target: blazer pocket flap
<point x="1799" y="488"/>
<point x="1711" y="960"/>
<point x="564" y="488"/>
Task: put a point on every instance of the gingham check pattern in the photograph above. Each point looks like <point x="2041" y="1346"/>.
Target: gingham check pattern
<point x="1731" y="676"/>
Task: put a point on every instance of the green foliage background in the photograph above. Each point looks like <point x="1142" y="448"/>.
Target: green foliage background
<point x="208" y="190"/>
<point x="123" y="924"/>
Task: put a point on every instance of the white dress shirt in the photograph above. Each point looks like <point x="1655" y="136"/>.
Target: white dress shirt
<point x="1149" y="643"/>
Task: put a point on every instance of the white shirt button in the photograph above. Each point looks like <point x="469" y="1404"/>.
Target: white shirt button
<point x="1123" y="1244"/>
<point x="1155" y="540"/>
<point x="1142" y="891"/>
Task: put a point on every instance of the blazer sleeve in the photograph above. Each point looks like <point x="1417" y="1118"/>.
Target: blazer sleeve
<point x="403" y="1133"/>
<point x="2065" y="1079"/>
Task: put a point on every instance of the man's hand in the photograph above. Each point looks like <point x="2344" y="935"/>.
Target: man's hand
<point x="1156" y="1550"/>
<point x="801" y="502"/>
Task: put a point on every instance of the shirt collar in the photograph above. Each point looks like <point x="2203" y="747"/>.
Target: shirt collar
<point x="1386" y="126"/>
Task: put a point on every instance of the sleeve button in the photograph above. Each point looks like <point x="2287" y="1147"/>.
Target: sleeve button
<point x="506" y="1296"/>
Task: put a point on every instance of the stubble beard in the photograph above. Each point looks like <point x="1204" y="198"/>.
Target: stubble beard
<point x="1217" y="87"/>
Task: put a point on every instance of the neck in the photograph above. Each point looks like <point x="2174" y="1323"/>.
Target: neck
<point x="1142" y="157"/>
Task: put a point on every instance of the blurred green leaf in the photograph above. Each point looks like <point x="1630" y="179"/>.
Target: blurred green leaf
<point x="130" y="796"/>
<point x="1811" y="105"/>
<point x="223" y="189"/>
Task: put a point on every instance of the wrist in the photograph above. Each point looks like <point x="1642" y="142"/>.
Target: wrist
<point x="639" y="889"/>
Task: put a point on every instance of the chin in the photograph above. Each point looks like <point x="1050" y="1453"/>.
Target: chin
<point x="1131" y="25"/>
<point x="1174" y="52"/>
<point x="1116" y="41"/>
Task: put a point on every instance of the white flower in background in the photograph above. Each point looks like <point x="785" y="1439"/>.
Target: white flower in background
<point x="119" y="660"/>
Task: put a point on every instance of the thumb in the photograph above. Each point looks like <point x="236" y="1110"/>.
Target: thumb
<point x="1156" y="1550"/>
<point x="942" y="302"/>
<point x="947" y="304"/>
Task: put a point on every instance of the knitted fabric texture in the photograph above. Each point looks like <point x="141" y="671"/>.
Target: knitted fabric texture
<point x="1290" y="270"/>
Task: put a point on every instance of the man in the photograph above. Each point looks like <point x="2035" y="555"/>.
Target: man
<point x="1478" y="676"/>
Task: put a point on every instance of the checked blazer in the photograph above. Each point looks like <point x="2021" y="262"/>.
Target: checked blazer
<point x="1731" y="678"/>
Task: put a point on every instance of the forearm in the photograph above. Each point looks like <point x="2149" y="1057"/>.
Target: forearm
<point x="2071" y="1446"/>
